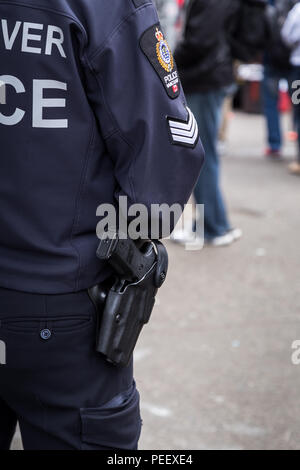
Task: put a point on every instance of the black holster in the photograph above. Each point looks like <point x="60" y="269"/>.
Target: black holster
<point x="127" y="307"/>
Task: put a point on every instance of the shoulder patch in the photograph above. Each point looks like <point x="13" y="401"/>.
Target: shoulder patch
<point x="159" y="54"/>
<point x="139" y="3"/>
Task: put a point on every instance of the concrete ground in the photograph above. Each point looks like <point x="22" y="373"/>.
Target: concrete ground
<point x="214" y="367"/>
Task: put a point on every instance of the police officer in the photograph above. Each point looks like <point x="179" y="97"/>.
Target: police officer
<point x="91" y="108"/>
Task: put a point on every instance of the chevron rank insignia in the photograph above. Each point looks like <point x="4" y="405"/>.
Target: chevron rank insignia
<point x="184" y="133"/>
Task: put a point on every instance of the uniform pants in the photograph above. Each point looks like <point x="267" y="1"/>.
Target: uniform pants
<point x="63" y="394"/>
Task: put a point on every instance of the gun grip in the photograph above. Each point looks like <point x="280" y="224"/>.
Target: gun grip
<point x="162" y="265"/>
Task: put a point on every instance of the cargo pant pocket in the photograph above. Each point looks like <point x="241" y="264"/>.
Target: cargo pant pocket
<point x="114" y="425"/>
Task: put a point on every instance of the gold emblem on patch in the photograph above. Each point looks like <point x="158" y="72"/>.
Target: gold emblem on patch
<point x="164" y="54"/>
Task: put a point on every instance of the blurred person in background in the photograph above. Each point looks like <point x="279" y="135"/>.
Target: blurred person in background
<point x="205" y="63"/>
<point x="277" y="66"/>
<point x="291" y="37"/>
<point x="216" y="33"/>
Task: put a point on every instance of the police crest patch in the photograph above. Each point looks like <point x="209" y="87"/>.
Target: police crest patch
<point x="164" y="55"/>
<point x="158" y="52"/>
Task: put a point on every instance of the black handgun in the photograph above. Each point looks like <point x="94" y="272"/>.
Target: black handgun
<point x="140" y="271"/>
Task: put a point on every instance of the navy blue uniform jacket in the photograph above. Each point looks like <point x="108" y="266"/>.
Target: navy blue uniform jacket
<point x="87" y="86"/>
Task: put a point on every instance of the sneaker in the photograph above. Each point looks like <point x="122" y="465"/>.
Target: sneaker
<point x="236" y="233"/>
<point x="223" y="240"/>
<point x="273" y="154"/>
<point x="190" y="240"/>
<point x="182" y="236"/>
<point x="294" y="168"/>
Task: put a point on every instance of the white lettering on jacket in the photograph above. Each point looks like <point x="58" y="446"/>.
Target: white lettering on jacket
<point x="39" y="103"/>
<point x="35" y="38"/>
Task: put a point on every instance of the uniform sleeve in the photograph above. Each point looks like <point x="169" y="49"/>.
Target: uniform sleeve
<point x="151" y="135"/>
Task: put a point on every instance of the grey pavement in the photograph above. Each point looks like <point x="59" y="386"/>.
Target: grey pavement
<point x="214" y="366"/>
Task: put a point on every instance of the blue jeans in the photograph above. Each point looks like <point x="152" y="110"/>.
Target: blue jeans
<point x="207" y="108"/>
<point x="270" y="88"/>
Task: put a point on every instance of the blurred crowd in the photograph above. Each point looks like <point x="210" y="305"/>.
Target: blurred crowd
<point x="210" y="37"/>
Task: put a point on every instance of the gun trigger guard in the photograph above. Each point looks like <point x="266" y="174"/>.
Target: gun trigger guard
<point x="162" y="265"/>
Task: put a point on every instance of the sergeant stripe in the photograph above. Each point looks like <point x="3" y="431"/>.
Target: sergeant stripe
<point x="184" y="132"/>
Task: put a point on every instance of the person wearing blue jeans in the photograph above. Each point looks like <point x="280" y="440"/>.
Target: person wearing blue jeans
<point x="277" y="66"/>
<point x="206" y="68"/>
<point x="291" y="36"/>
<point x="207" y="109"/>
<point x="270" y="88"/>
<point x="294" y="84"/>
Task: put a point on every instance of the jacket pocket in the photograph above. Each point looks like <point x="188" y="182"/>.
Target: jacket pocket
<point x="114" y="425"/>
